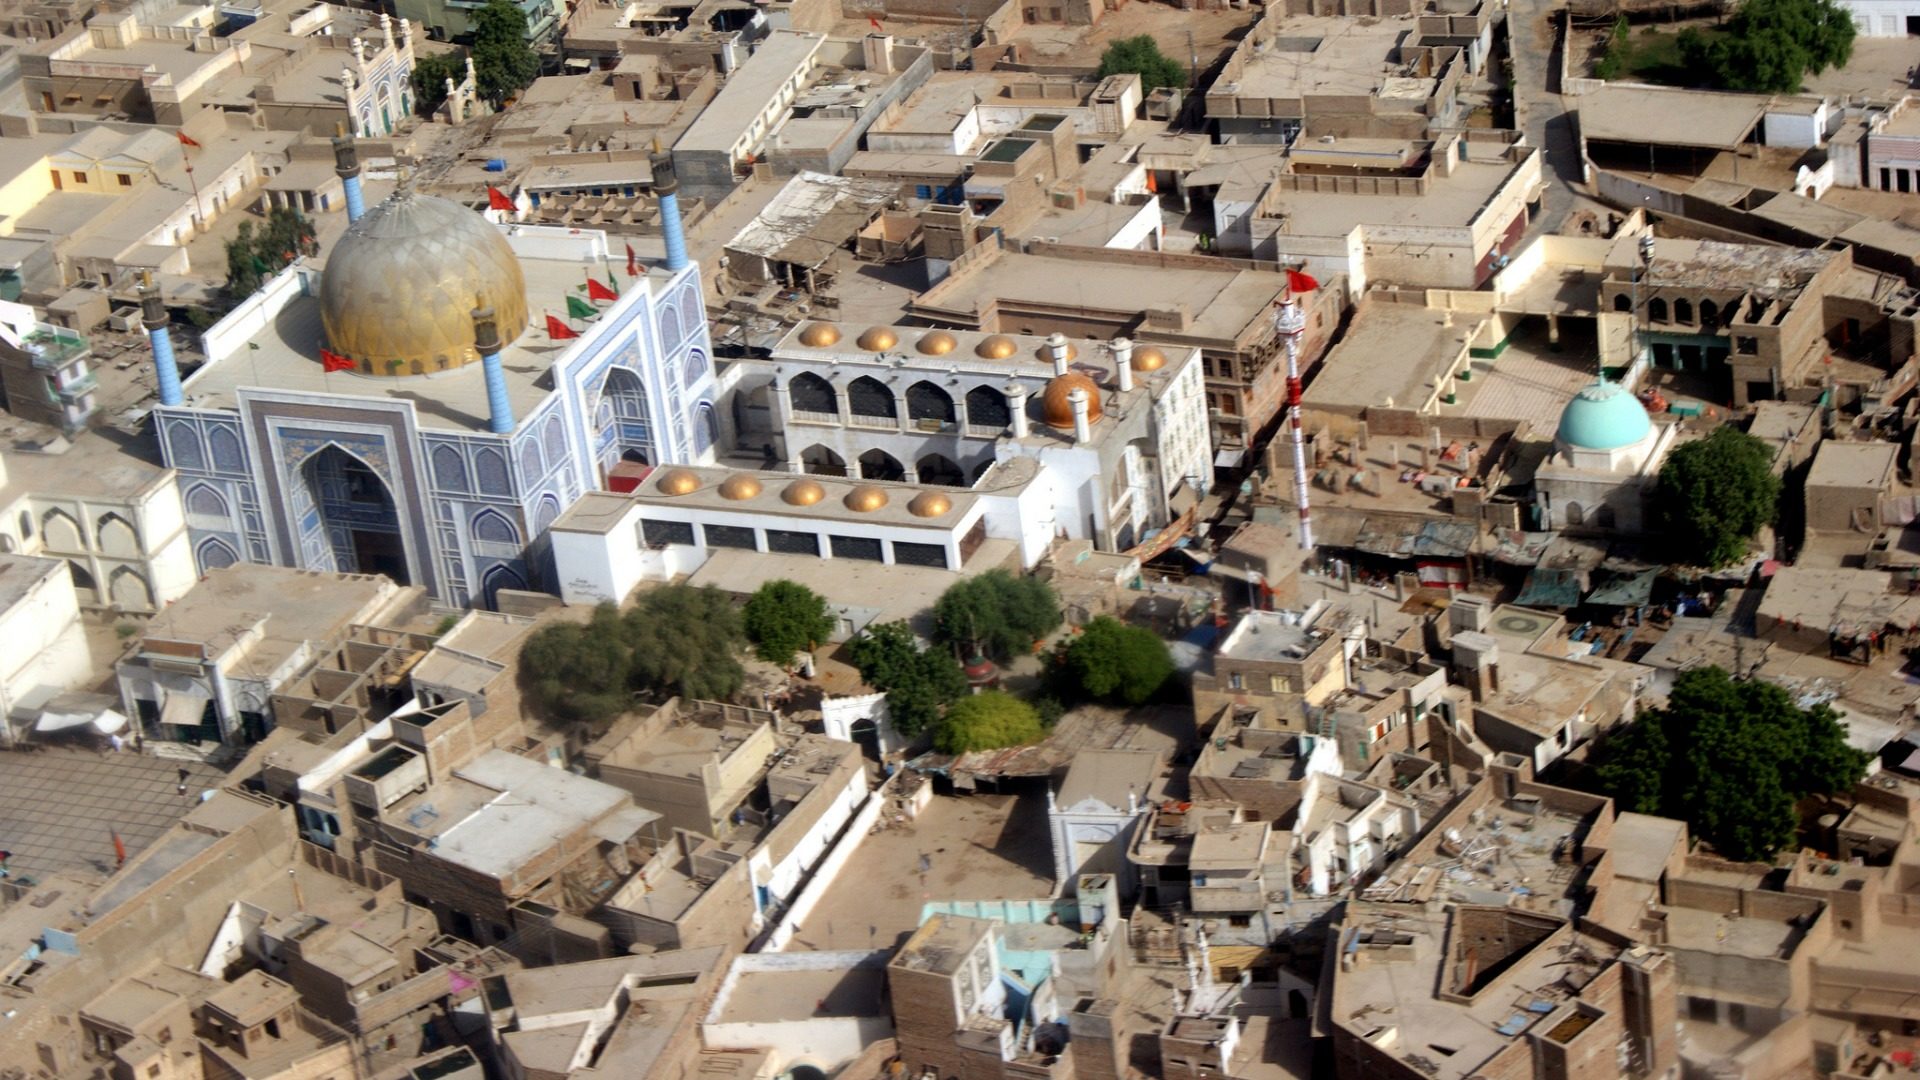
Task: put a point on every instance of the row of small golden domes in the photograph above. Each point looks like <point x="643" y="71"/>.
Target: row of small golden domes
<point x="823" y="335"/>
<point x="865" y="498"/>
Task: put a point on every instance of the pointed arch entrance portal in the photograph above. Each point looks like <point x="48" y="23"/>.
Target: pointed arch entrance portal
<point x="355" y="515"/>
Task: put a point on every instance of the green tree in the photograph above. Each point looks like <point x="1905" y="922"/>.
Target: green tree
<point x="1715" y="494"/>
<point x="996" y="613"/>
<point x="1731" y="758"/>
<point x="430" y="75"/>
<point x="686" y="642"/>
<point x="1613" y="57"/>
<point x="783" y="618"/>
<point x="986" y="722"/>
<point x="1141" y="56"/>
<point x="1771" y="45"/>
<point x="503" y="62"/>
<point x="919" y="683"/>
<point x="256" y="254"/>
<point x="580" y="672"/>
<point x="1112" y="661"/>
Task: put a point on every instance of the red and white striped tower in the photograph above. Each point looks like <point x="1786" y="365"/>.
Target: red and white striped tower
<point x="1290" y="322"/>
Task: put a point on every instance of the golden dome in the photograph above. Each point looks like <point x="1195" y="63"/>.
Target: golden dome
<point x="938" y="343"/>
<point x="997" y="347"/>
<point x="820" y="335"/>
<point x="1149" y="359"/>
<point x="803" y="493"/>
<point x="739" y="486"/>
<point x="678" y="482"/>
<point x="865" y="499"/>
<point x="929" y="504"/>
<point x="1057" y="411"/>
<point x="400" y="287"/>
<point x="878" y="339"/>
<point x="1046" y="354"/>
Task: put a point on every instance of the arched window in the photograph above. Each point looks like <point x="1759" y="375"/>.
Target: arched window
<point x="555" y="438"/>
<point x="117" y="536"/>
<point x="215" y="554"/>
<point x="706" y="427"/>
<point x="184" y="445"/>
<point x="926" y="401"/>
<point x="987" y="407"/>
<point x="811" y="393"/>
<point x="868" y="396"/>
<point x="128" y="590"/>
<point x="492" y="527"/>
<point x="548" y="511"/>
<point x="1709" y="314"/>
<point x="1575" y="515"/>
<point x="83" y="582"/>
<point x="490" y="470"/>
<point x="62" y="533"/>
<point x="26" y="525"/>
<point x="670" y="332"/>
<point x="227" y="456"/>
<point x="880" y="465"/>
<point x="531" y="467"/>
<point x="498" y="578"/>
<point x="1683" y="311"/>
<point x="940" y="469"/>
<point x="1623" y="302"/>
<point x="204" y="502"/>
<point x="449" y="469"/>
<point x="696" y="366"/>
<point x="1656" y="310"/>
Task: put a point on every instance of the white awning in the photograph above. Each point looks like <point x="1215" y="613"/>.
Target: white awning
<point x="55" y="720"/>
<point x="183" y="710"/>
<point x="1229" y="458"/>
<point x="109" y="721"/>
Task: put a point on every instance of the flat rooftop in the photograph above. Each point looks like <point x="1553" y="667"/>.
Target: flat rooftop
<point x="749" y="90"/>
<point x="776" y="995"/>
<point x="1765" y="939"/>
<point x="1764" y="269"/>
<point x="1669" y="117"/>
<point x="20" y="574"/>
<point x="600" y="511"/>
<point x="531" y="808"/>
<point x="1852" y="465"/>
<point x="1271" y="636"/>
<point x="1221" y="302"/>
<point x="1425" y="345"/>
<point x="1293" y="56"/>
<point x="288" y="359"/>
<point x="1453" y="200"/>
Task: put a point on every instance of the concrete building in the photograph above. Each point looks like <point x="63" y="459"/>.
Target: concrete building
<point x="1846" y="485"/>
<point x="40" y="614"/>
<point x="1884" y="18"/>
<point x="1281" y="663"/>
<point x="620" y="1017"/>
<point x="206" y="669"/>
<point x="807" y="1009"/>
<point x="1092" y="817"/>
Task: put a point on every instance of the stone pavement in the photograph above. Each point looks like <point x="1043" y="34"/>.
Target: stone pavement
<point x="60" y="806"/>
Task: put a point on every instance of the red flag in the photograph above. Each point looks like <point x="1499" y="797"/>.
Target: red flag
<point x="874" y="21"/>
<point x="633" y="262"/>
<point x="559" y="331"/>
<point x="333" y="361"/>
<point x="186" y="140"/>
<point x="597" y="291"/>
<point x="1299" y="282"/>
<point x="498" y="201"/>
<point x="119" y="848"/>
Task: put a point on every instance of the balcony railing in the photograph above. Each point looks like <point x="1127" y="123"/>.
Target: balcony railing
<point x="886" y="423"/>
<point x="51" y="348"/>
<point x="806" y="416"/>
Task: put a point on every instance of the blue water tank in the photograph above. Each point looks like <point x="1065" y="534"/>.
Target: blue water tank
<point x="498" y="164"/>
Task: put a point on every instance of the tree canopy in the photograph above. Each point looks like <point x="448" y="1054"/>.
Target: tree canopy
<point x="1771" y="45"/>
<point x="430" y="75"/>
<point x="254" y="255"/>
<point x="783" y="618"/>
<point x="676" y="640"/>
<point x="503" y="62"/>
<point x="1141" y="56"/>
<point x="997" y="613"/>
<point x="1731" y="758"/>
<point x="988" y="721"/>
<point x="1112" y="661"/>
<point x="1715" y="494"/>
<point x="919" y="683"/>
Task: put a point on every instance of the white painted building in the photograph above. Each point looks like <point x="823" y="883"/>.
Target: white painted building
<point x="1885" y="18"/>
<point x="1347" y="829"/>
<point x="40" y="622"/>
<point x="115" y="520"/>
<point x="1092" y="817"/>
<point x="818" y="1009"/>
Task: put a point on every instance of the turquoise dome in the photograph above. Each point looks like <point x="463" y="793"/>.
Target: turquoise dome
<point x="1604" y="416"/>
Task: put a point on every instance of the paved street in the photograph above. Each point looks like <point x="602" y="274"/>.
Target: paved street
<point x="59" y="807"/>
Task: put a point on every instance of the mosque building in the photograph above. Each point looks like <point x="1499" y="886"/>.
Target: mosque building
<point x="1607" y="453"/>
<point x="430" y="402"/>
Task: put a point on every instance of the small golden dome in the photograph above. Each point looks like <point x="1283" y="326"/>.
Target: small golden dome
<point x="865" y="499"/>
<point x="997" y="347"/>
<point x="878" y="339"/>
<point x="1149" y="359"/>
<point x="1055" y="408"/>
<point x="739" y="486"/>
<point x="938" y="343"/>
<point x="803" y="493"/>
<point x="678" y="482"/>
<point x="1045" y="354"/>
<point x="820" y="335"/>
<point x="929" y="504"/>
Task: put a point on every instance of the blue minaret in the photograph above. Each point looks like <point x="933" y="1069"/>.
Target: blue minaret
<point x="486" y="339"/>
<point x="666" y="188"/>
<point x="166" y="369"/>
<point x="346" y="165"/>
